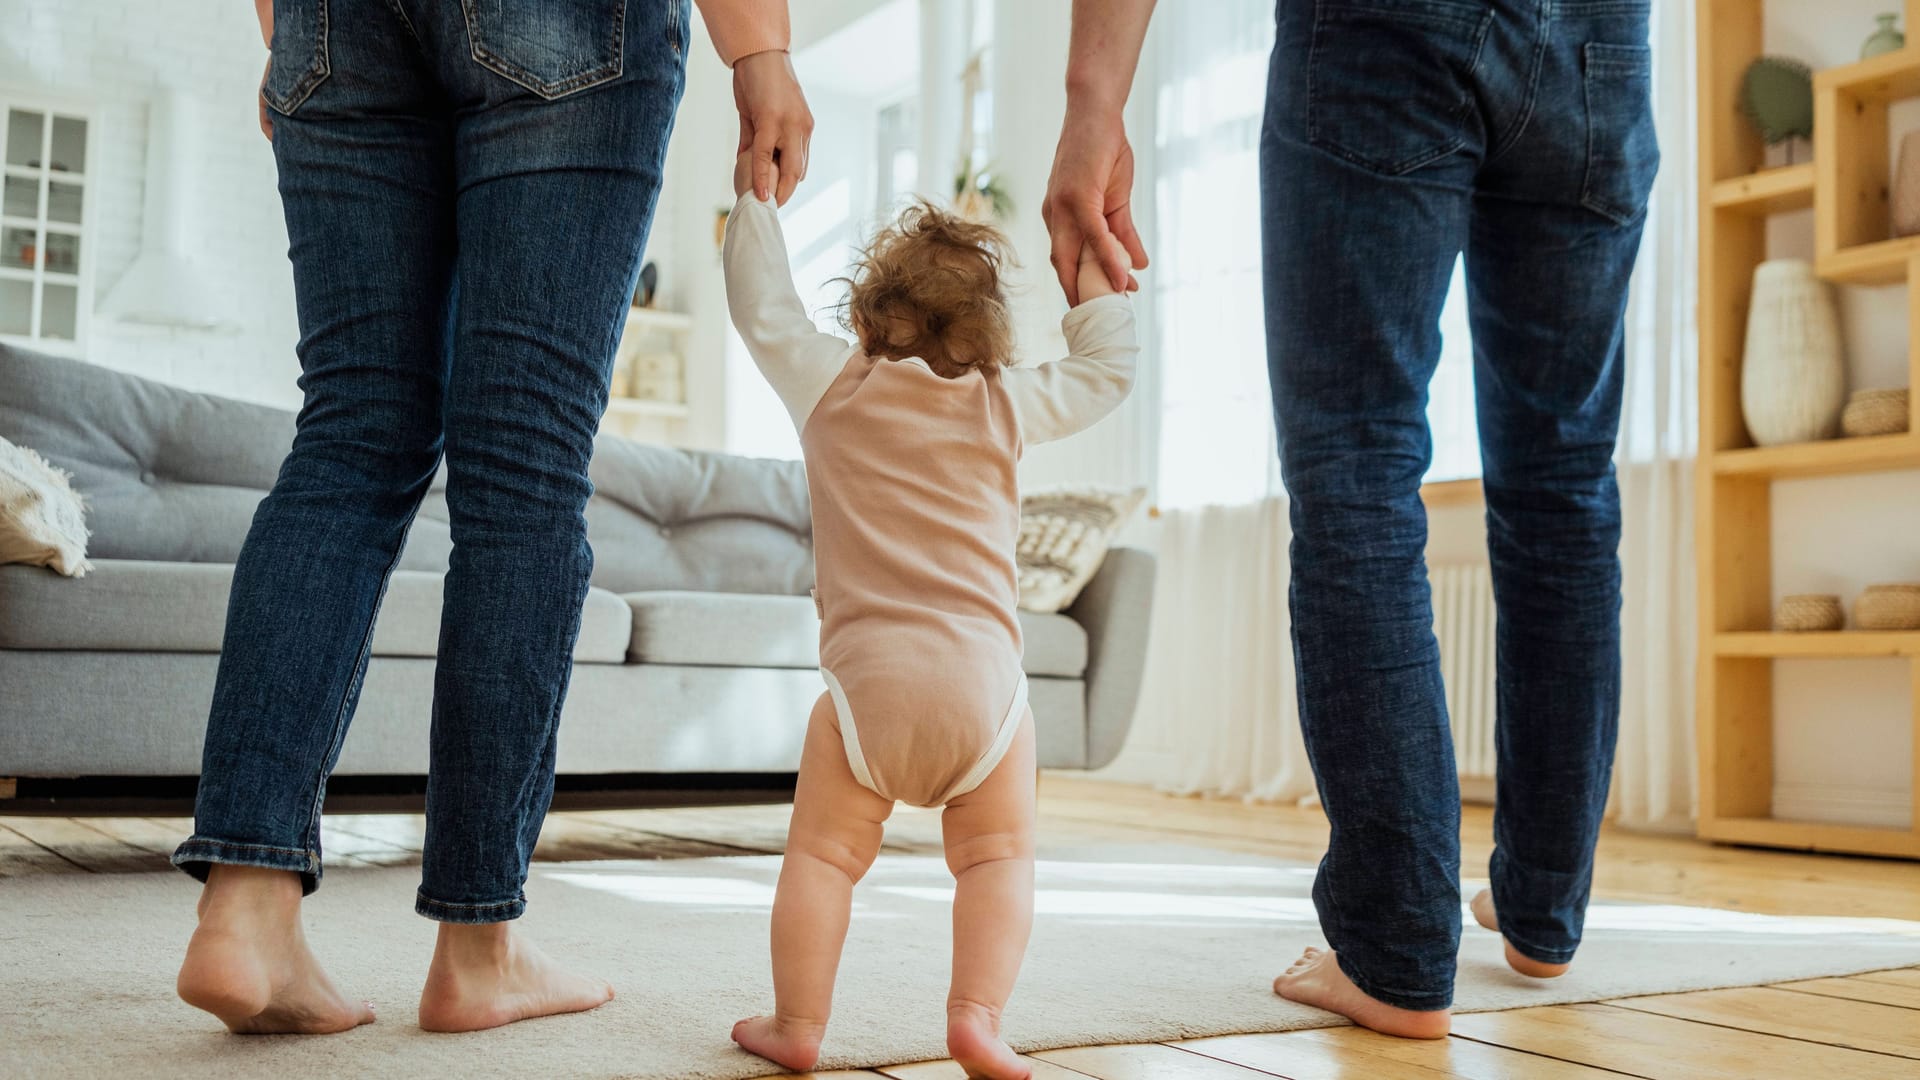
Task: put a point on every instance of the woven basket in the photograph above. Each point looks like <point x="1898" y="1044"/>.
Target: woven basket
<point x="1874" y="412"/>
<point x="1888" y="607"/>
<point x="1809" y="612"/>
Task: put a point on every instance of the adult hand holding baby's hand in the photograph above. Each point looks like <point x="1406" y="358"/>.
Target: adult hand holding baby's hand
<point x="743" y="174"/>
<point x="1092" y="277"/>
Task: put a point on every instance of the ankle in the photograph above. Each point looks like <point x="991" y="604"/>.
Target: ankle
<point x="968" y="1011"/>
<point x="475" y="944"/>
<point x="800" y="1028"/>
<point x="249" y="893"/>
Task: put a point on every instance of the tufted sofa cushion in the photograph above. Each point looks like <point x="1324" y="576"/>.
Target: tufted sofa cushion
<point x="173" y="476"/>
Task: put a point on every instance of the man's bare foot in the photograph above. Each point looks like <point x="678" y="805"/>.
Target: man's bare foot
<point x="1316" y="979"/>
<point x="484" y="975"/>
<point x="248" y="962"/>
<point x="791" y="1044"/>
<point x="973" y="1039"/>
<point x="1484" y="914"/>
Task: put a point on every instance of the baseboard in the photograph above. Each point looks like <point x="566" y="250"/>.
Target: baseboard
<point x="1843" y="804"/>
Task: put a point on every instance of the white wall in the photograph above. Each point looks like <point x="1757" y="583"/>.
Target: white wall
<point x="116" y="54"/>
<point x="1842" y="728"/>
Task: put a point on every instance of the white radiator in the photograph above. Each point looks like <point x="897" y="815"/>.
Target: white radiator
<point x="1463" y="621"/>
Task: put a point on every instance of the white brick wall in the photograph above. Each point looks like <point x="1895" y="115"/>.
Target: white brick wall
<point x="115" y="54"/>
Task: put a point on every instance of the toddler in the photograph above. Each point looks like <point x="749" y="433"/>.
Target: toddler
<point x="912" y="435"/>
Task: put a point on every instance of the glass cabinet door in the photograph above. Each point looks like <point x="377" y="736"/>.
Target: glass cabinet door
<point x="43" y="256"/>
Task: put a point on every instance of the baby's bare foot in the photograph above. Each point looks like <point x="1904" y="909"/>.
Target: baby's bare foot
<point x="973" y="1039"/>
<point x="1484" y="914"/>
<point x="249" y="965"/>
<point x="485" y="975"/>
<point x="791" y="1044"/>
<point x="1316" y="979"/>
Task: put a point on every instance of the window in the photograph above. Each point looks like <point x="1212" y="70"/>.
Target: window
<point x="45" y="260"/>
<point x="897" y="154"/>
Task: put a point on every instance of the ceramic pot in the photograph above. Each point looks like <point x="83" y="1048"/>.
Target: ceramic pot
<point x="1793" y="379"/>
<point x="1885" y="39"/>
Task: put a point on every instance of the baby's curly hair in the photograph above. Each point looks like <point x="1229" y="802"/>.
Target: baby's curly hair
<point x="929" y="286"/>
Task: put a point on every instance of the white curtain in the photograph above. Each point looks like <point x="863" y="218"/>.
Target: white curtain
<point x="1217" y="713"/>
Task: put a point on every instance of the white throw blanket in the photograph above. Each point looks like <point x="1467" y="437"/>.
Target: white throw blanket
<point x="42" y="519"/>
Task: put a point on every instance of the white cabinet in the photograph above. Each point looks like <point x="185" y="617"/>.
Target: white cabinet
<point x="46" y="259"/>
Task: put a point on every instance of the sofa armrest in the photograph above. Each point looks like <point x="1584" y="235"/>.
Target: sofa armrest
<point x="1115" y="609"/>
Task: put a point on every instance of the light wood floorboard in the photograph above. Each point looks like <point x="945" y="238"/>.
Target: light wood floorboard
<point x="1864" y="1027"/>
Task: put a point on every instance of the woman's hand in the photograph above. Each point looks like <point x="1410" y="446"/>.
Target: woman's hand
<point x="775" y="123"/>
<point x="263" y="10"/>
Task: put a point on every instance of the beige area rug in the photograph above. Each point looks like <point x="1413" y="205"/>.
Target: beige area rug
<point x="1132" y="944"/>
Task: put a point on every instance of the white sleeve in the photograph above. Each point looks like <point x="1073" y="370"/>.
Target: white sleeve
<point x="1058" y="398"/>
<point x="796" y="358"/>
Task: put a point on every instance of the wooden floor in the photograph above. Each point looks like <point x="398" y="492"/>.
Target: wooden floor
<point x="1861" y="1028"/>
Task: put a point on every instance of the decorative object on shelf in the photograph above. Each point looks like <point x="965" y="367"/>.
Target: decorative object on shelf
<point x="720" y="216"/>
<point x="1905" y="196"/>
<point x="1888" y="607"/>
<point x="1776" y="94"/>
<point x="648" y="288"/>
<point x="978" y="192"/>
<point x="1793" y="380"/>
<point x="1885" y="39"/>
<point x="1875" y="412"/>
<point x="657" y="376"/>
<point x="1809" y="613"/>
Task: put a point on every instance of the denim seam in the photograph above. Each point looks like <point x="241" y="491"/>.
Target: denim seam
<point x="317" y="69"/>
<point x="347" y="697"/>
<point x="1536" y="952"/>
<point x="1316" y="138"/>
<point x="1519" y="126"/>
<point x="406" y="22"/>
<point x="520" y="76"/>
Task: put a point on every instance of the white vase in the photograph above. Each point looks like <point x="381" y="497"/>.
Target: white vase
<point x="1793" y="379"/>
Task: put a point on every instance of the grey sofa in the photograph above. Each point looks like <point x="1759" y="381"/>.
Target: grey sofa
<point x="697" y="649"/>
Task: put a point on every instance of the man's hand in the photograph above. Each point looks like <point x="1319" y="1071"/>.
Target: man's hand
<point x="775" y="123"/>
<point x="1089" y="204"/>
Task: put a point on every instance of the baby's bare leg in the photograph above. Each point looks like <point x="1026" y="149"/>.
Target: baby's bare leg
<point x="989" y="838"/>
<point x="832" y="840"/>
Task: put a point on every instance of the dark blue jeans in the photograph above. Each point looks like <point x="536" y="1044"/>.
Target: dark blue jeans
<point x="1398" y="134"/>
<point x="468" y="189"/>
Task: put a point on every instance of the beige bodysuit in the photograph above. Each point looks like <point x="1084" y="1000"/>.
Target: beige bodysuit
<point x="916" y="511"/>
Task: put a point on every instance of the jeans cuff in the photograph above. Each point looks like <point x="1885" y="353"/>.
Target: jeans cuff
<point x="199" y="854"/>
<point x="1417" y="1002"/>
<point x="443" y="911"/>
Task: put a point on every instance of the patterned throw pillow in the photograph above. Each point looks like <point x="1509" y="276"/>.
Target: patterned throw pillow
<point x="1064" y="536"/>
<point x="42" y="521"/>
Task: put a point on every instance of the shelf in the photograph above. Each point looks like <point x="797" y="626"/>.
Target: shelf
<point x="1769" y="191"/>
<point x="1883" y="262"/>
<point x="1873" y="453"/>
<point x="660" y="410"/>
<point x="659" y="319"/>
<point x="1812" y="836"/>
<point x="1837" y="644"/>
<point x="1887" y="77"/>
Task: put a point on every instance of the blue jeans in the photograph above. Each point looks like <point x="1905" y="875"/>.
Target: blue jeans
<point x="1398" y="134"/>
<point x="468" y="189"/>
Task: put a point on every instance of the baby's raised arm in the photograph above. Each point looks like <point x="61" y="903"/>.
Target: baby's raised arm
<point x="797" y="359"/>
<point x="1061" y="397"/>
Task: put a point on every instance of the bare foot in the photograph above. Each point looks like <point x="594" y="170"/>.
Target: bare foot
<point x="485" y="975"/>
<point x="791" y="1044"/>
<point x="1484" y="914"/>
<point x="249" y="965"/>
<point x="1316" y="979"/>
<point x="973" y="1038"/>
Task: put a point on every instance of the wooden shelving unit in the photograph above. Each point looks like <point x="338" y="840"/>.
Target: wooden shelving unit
<point x="1846" y="185"/>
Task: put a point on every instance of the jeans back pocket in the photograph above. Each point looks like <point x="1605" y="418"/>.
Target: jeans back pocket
<point x="298" y="58"/>
<point x="1389" y="82"/>
<point x="1623" y="152"/>
<point x="551" y="47"/>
